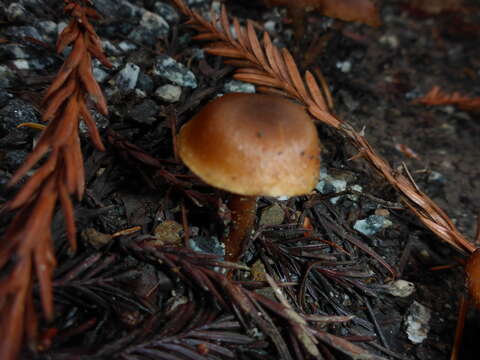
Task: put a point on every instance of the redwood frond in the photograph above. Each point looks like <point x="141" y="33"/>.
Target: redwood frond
<point x="26" y="251"/>
<point x="436" y="96"/>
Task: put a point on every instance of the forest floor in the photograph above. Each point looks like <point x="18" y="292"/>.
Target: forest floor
<point x="374" y="75"/>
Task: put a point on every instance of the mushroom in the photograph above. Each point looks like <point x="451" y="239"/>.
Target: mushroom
<point x="251" y="145"/>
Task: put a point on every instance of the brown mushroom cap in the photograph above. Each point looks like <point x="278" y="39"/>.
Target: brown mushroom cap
<point x="253" y="144"/>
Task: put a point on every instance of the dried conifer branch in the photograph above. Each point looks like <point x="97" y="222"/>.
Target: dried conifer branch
<point x="275" y="71"/>
<point x="196" y="269"/>
<point x="438" y="97"/>
<point x="26" y="252"/>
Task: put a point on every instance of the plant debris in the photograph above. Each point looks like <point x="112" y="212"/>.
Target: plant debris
<point x="149" y="279"/>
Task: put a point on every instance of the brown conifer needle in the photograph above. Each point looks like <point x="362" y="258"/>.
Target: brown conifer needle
<point x="26" y="251"/>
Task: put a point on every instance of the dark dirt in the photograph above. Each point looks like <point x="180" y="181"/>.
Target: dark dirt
<point x="373" y="74"/>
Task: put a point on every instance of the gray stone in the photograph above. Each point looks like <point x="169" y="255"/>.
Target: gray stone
<point x="99" y="74"/>
<point x="372" y="225"/>
<point x="329" y="184"/>
<point x="7" y="77"/>
<point x="238" y="86"/>
<point x="14" y="52"/>
<point x="167" y="68"/>
<point x="209" y="245"/>
<point x="16" y="12"/>
<point x="436" y="177"/>
<point x="152" y="26"/>
<point x="155" y="23"/>
<point x="145" y="112"/>
<point x="417" y="322"/>
<point x="127" y="77"/>
<point x="194" y="2"/>
<point x="166" y="11"/>
<point x="128" y="10"/>
<point x="109" y="48"/>
<point x="118" y="8"/>
<point x="344" y="66"/>
<point x="33" y="64"/>
<point x="20" y="32"/>
<point x="272" y="27"/>
<point x="356" y="187"/>
<point x="169" y="93"/>
<point x="126" y="46"/>
<point x="49" y="30"/>
<point x="21" y="64"/>
<point x="401" y="288"/>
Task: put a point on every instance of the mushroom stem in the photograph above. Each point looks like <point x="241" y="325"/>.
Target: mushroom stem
<point x="242" y="210"/>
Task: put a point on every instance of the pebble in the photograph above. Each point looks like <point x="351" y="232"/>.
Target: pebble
<point x="390" y="40"/>
<point x="168" y="233"/>
<point x="401" y="288"/>
<point x="20" y="32"/>
<point x="99" y="74"/>
<point x="209" y="245"/>
<point x="95" y="238"/>
<point x="16" y="12"/>
<point x="7" y="77"/>
<point x="194" y="2"/>
<point x="272" y="215"/>
<point x="49" y="29"/>
<point x="166" y="11"/>
<point x="344" y="66"/>
<point x="127" y="77"/>
<point x="21" y="64"/>
<point x="151" y="27"/>
<point x="436" y="177"/>
<point x="13" y="51"/>
<point x="329" y="184"/>
<point x="167" y="68"/>
<point x="109" y="48"/>
<point x="238" y="86"/>
<point x="372" y="225"/>
<point x="169" y="93"/>
<point x="118" y="8"/>
<point x="417" y="322"/>
<point x="356" y="187"/>
<point x="127" y="46"/>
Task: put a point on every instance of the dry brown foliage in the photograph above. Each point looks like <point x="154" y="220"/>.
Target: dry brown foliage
<point x="362" y="11"/>
<point x="438" y="97"/>
<point x="274" y="70"/>
<point x="26" y="251"/>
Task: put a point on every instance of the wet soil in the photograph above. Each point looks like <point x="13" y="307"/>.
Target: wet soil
<point x="374" y="74"/>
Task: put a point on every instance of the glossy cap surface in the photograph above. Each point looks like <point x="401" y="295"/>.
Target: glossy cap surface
<point x="252" y="144"/>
